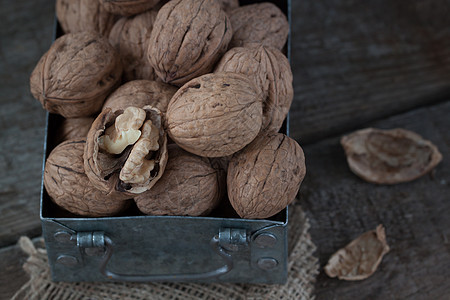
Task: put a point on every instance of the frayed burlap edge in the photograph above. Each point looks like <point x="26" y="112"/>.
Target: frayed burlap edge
<point x="303" y="268"/>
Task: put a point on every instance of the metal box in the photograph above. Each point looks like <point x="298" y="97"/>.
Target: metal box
<point x="135" y="247"/>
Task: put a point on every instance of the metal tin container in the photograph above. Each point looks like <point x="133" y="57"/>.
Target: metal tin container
<point x="139" y="248"/>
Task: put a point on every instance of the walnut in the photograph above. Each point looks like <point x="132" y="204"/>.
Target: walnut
<point x="73" y="128"/>
<point x="271" y="71"/>
<point x="389" y="156"/>
<point x="68" y="186"/>
<point x="128" y="7"/>
<point x="126" y="150"/>
<point x="189" y="187"/>
<point x="359" y="259"/>
<point x="140" y="93"/>
<point x="76" y="74"/>
<point x="265" y="177"/>
<point x="215" y="115"/>
<point x="130" y="37"/>
<point x="261" y="23"/>
<point x="187" y="39"/>
<point x="84" y="15"/>
<point x="228" y="5"/>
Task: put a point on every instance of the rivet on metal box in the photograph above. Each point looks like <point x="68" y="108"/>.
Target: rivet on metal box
<point x="138" y="248"/>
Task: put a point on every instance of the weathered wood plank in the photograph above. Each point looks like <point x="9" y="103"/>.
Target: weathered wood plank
<point x="26" y="33"/>
<point x="341" y="206"/>
<point x="358" y="61"/>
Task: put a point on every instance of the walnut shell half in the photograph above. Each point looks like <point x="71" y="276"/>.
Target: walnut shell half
<point x="215" y="115"/>
<point x="84" y="15"/>
<point x="140" y="93"/>
<point x="261" y="23"/>
<point x="265" y="176"/>
<point x="271" y="72"/>
<point x="187" y="39"/>
<point x="69" y="187"/>
<point x="126" y="150"/>
<point x="76" y="74"/>
<point x="130" y="37"/>
<point x="189" y="187"/>
<point x="389" y="156"/>
<point x="359" y="259"/>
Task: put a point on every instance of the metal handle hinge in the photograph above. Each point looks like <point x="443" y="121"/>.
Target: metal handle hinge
<point x="228" y="239"/>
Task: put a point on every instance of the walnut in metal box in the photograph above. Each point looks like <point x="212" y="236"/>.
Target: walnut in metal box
<point x="134" y="247"/>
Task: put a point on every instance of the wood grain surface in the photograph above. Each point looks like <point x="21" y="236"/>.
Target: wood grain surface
<point x="341" y="206"/>
<point x="355" y="64"/>
<point x="358" y="61"/>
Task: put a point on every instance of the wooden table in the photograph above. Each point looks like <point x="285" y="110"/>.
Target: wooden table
<point x="356" y="64"/>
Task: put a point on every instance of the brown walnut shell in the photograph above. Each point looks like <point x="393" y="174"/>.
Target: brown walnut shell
<point x="130" y="37"/>
<point x="73" y="128"/>
<point x="188" y="187"/>
<point x="140" y="93"/>
<point x="389" y="156"/>
<point x="228" y="5"/>
<point x="359" y="259"/>
<point x="69" y="187"/>
<point x="187" y="39"/>
<point x="128" y="7"/>
<point x="261" y="23"/>
<point x="265" y="177"/>
<point x="104" y="169"/>
<point x="84" y="15"/>
<point x="76" y="74"/>
<point x="215" y="115"/>
<point x="271" y="71"/>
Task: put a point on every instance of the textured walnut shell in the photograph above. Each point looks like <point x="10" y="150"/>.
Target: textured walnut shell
<point x="130" y="37"/>
<point x="389" y="156"/>
<point x="76" y="74"/>
<point x="188" y="187"/>
<point x="261" y="23"/>
<point x="359" y="259"/>
<point x="228" y="5"/>
<point x="73" y="128"/>
<point x="103" y="169"/>
<point x="84" y="15"/>
<point x="187" y="39"/>
<point x="215" y="115"/>
<point x="265" y="177"/>
<point x="128" y="7"/>
<point x="271" y="72"/>
<point x="140" y="93"/>
<point x="69" y="187"/>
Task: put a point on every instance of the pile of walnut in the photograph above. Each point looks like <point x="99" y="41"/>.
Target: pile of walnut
<point x="175" y="105"/>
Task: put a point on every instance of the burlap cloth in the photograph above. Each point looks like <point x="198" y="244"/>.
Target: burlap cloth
<point x="303" y="268"/>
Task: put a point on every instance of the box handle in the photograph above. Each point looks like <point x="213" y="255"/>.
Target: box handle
<point x="98" y="240"/>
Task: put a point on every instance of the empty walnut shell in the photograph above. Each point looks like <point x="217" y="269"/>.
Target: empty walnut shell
<point x="261" y="23"/>
<point x="69" y="187"/>
<point x="140" y="93"/>
<point x="359" y="259"/>
<point x="187" y="39"/>
<point x="188" y="187"/>
<point x="271" y="72"/>
<point x="130" y="37"/>
<point x="128" y="7"/>
<point x="215" y="115"/>
<point x="389" y="156"/>
<point x="84" y="15"/>
<point x="140" y="165"/>
<point x="76" y="74"/>
<point x="73" y="128"/>
<point x="265" y="176"/>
